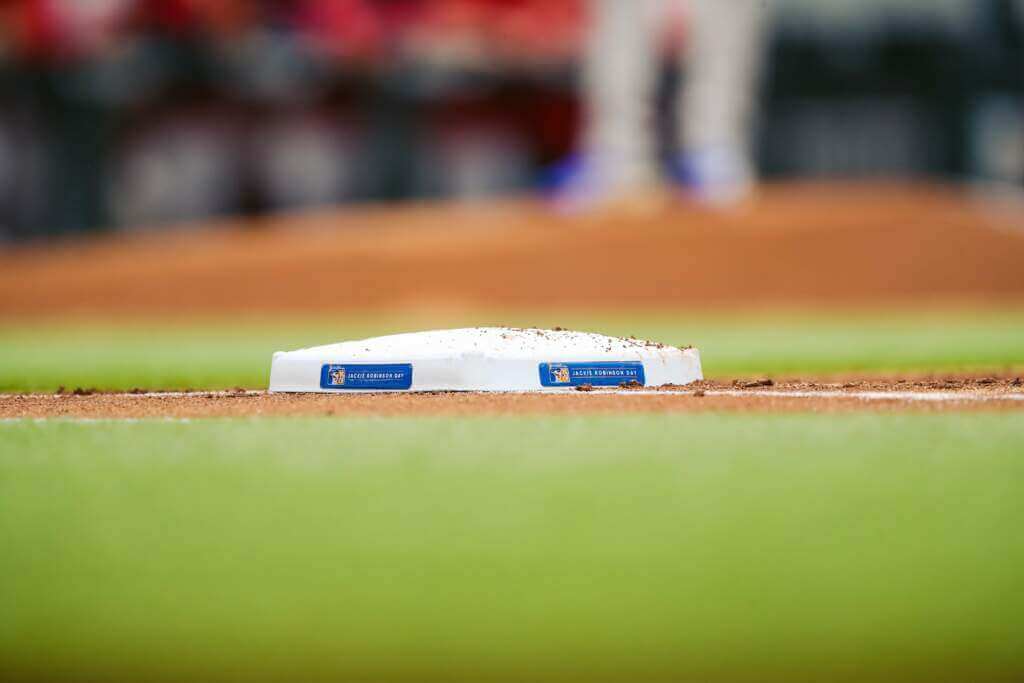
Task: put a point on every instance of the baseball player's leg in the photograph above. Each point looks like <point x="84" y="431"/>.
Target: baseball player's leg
<point x="619" y="75"/>
<point x="723" y="65"/>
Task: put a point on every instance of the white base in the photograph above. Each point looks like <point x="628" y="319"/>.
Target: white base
<point x="483" y="359"/>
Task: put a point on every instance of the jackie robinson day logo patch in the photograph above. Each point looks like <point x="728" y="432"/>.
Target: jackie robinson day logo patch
<point x="393" y="376"/>
<point x="598" y="373"/>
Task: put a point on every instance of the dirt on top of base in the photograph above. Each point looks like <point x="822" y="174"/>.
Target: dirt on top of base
<point x="800" y="244"/>
<point x="754" y="395"/>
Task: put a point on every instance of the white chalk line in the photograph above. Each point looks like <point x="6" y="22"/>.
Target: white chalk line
<point x="877" y="395"/>
<point x="908" y="396"/>
<point x="865" y="396"/>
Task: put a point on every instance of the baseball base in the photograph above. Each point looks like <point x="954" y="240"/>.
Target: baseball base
<point x="483" y="359"/>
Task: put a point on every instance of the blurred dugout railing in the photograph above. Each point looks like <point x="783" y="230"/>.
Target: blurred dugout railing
<point x="129" y="113"/>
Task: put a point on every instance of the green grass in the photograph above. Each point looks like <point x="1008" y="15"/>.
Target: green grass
<point x="226" y="353"/>
<point x="700" y="547"/>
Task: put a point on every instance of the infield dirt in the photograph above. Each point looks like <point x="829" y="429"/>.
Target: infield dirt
<point x="988" y="393"/>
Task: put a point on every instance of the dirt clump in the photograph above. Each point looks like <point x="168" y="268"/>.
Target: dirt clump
<point x="754" y="384"/>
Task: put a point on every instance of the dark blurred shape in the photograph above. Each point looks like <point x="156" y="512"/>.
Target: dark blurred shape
<point x="134" y="113"/>
<point x="890" y="94"/>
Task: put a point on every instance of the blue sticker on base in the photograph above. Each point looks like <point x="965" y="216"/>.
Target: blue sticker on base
<point x="391" y="377"/>
<point x="598" y="373"/>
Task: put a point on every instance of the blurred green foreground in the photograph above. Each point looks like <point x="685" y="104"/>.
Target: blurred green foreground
<point x="644" y="548"/>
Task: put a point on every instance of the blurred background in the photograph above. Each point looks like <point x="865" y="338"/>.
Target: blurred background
<point x="794" y="186"/>
<point x="136" y="114"/>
